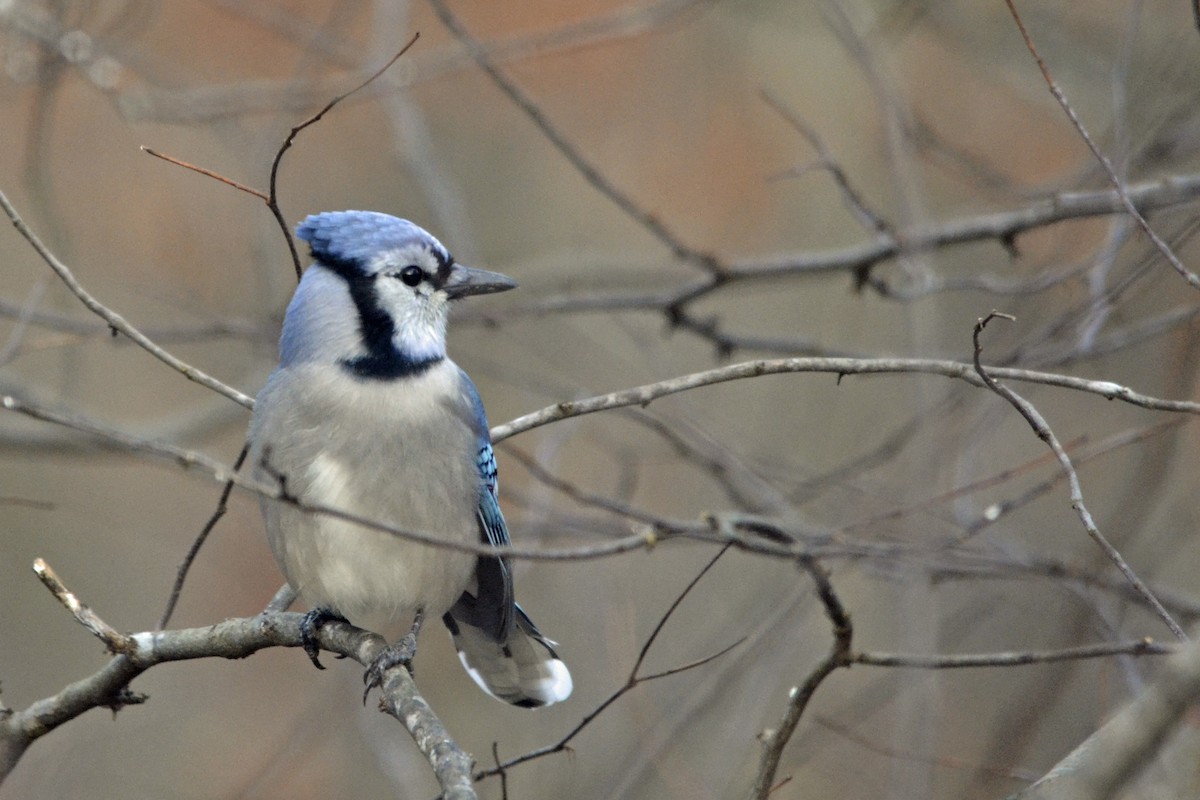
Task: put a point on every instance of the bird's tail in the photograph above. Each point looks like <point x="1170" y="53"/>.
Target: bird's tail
<point x="523" y="669"/>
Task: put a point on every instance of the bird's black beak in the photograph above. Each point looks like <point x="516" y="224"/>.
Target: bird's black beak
<point x="466" y="281"/>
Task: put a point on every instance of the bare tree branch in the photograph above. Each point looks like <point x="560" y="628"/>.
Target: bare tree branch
<point x="640" y="395"/>
<point x="647" y="393"/>
<point x="1126" y="201"/>
<point x="115" y="321"/>
<point x="1141" y="647"/>
<point x="775" y="740"/>
<point x="191" y="459"/>
<point x="590" y="173"/>
<point x="1003" y="227"/>
<point x="233" y="639"/>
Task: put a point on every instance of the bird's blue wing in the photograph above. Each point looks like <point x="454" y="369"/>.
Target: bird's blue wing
<point x="499" y="645"/>
<point x="492" y="608"/>
<point x="494" y="529"/>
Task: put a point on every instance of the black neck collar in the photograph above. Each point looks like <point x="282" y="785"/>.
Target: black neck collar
<point x="383" y="361"/>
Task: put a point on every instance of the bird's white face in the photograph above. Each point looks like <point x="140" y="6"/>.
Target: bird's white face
<point x="408" y="284"/>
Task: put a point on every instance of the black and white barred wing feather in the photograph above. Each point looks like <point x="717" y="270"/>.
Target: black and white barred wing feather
<point x="497" y="642"/>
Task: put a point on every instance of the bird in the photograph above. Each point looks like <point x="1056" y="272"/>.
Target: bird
<point x="367" y="414"/>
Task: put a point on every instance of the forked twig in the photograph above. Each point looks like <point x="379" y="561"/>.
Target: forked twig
<point x="854" y="199"/>
<point x="273" y="201"/>
<point x="631" y="682"/>
<point x="1043" y="431"/>
<point x="775" y="740"/>
<point x="108" y="687"/>
<point x="271" y="197"/>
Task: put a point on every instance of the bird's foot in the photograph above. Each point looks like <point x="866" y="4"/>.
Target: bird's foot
<point x="400" y="653"/>
<point x="310" y="625"/>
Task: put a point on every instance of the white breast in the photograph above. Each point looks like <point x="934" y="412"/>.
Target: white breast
<point x="400" y="452"/>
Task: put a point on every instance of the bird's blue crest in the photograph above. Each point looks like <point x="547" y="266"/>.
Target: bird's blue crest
<point x="355" y="237"/>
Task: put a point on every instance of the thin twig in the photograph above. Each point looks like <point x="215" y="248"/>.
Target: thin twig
<point x="942" y="498"/>
<point x="1043" y="431"/>
<point x="970" y="566"/>
<point x="858" y="206"/>
<point x="987" y="282"/>
<point x="190" y="558"/>
<point x="271" y="197"/>
<point x="631" y="682"/>
<point x="1169" y="254"/>
<point x="590" y="173"/>
<point x="502" y="772"/>
<point x="998" y="510"/>
<point x="744" y="486"/>
<point x="115" y="321"/>
<point x="662" y="622"/>
<point x="241" y="187"/>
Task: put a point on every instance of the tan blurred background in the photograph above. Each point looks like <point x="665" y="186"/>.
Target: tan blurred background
<point x="934" y="110"/>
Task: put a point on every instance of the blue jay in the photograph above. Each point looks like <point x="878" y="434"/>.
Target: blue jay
<point x="367" y="414"/>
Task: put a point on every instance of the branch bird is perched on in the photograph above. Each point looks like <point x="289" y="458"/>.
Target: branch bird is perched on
<point x="366" y="413"/>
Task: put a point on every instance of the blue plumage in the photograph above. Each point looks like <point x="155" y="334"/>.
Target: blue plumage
<point x="359" y="237"/>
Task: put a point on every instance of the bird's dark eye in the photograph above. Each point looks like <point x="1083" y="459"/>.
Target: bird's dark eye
<point x="412" y="275"/>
